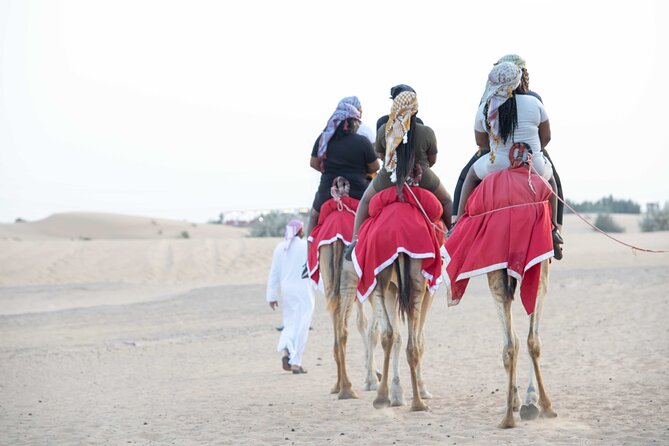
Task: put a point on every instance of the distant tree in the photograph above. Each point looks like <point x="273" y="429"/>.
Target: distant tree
<point x="272" y="224"/>
<point x="655" y="219"/>
<point x="607" y="205"/>
<point x="606" y="223"/>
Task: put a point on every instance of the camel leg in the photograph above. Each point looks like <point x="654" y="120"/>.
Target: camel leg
<point x="371" y="340"/>
<point x="498" y="287"/>
<point x="413" y="339"/>
<point x="381" y="315"/>
<point x="345" y="390"/>
<point x="396" y="390"/>
<point x="529" y="410"/>
<point x="427" y="303"/>
<point x="335" y="351"/>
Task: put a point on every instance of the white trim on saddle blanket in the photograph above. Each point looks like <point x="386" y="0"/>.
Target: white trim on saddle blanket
<point x="387" y="263"/>
<point x="490" y="268"/>
<point x="399" y="226"/>
<point x="337" y="236"/>
<point x="506" y="226"/>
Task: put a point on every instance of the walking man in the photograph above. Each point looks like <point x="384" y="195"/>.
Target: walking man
<point x="285" y="281"/>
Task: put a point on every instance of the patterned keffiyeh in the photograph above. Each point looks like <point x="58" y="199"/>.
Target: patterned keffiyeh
<point x="503" y="79"/>
<point x="513" y="58"/>
<point x="404" y="106"/>
<point x="349" y="107"/>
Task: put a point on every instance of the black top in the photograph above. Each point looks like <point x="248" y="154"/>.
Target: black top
<point x="347" y="157"/>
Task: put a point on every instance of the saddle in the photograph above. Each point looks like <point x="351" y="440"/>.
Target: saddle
<point x="397" y="225"/>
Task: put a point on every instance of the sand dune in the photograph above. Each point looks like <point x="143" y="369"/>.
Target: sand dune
<point x="88" y="225"/>
<point x="135" y="337"/>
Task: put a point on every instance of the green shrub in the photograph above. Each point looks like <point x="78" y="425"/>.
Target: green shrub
<point x="606" y="223"/>
<point x="184" y="234"/>
<point x="655" y="219"/>
<point x="272" y="224"/>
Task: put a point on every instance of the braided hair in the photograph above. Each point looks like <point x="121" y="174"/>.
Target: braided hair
<point x="508" y="117"/>
<point x="406" y="158"/>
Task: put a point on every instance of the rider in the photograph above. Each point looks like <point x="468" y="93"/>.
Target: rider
<point x="340" y="151"/>
<point x="402" y="144"/>
<point x="524" y="88"/>
<point x="394" y="91"/>
<point x="504" y="121"/>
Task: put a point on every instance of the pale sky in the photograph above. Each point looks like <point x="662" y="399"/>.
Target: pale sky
<point x="185" y="109"/>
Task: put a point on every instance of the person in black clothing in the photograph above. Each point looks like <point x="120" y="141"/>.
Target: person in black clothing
<point x="340" y="151"/>
<point x="524" y="89"/>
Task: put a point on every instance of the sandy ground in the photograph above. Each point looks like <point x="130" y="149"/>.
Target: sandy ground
<point x="113" y="333"/>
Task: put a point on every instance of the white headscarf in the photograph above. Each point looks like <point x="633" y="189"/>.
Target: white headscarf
<point x="503" y="79"/>
<point x="292" y="229"/>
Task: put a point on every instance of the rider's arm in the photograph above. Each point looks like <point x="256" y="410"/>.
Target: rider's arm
<point x="482" y="140"/>
<point x="373" y="166"/>
<point x="315" y="163"/>
<point x="544" y="133"/>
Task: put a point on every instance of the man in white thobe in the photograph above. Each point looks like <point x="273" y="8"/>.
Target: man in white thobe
<point x="285" y="281"/>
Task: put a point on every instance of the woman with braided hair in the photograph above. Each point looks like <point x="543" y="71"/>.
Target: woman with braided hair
<point x="504" y="122"/>
<point x="523" y="88"/>
<point x="403" y="143"/>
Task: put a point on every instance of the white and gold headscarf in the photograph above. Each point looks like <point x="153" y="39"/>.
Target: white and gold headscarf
<point x="503" y="79"/>
<point x="404" y="106"/>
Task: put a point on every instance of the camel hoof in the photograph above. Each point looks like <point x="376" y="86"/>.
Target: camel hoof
<point x="381" y="402"/>
<point x="417" y="407"/>
<point x="529" y="412"/>
<point x="397" y="401"/>
<point x="347" y="394"/>
<point x="424" y="394"/>
<point x="548" y="413"/>
<point x="507" y="423"/>
<point x="370" y="386"/>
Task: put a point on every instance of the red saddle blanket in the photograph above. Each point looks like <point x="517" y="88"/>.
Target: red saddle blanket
<point x="506" y="225"/>
<point x="335" y="222"/>
<point x="395" y="227"/>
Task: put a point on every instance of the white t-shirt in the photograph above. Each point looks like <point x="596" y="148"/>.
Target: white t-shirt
<point x="531" y="113"/>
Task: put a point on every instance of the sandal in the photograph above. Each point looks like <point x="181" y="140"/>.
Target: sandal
<point x="285" y="364"/>
<point x="299" y="370"/>
<point x="557" y="244"/>
<point x="305" y="271"/>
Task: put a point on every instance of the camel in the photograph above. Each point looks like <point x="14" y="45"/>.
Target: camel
<point x="402" y="289"/>
<point x="339" y="285"/>
<point x="505" y="233"/>
<point x="502" y="287"/>
<point x="398" y="264"/>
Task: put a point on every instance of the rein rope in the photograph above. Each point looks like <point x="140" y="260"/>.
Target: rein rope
<point x="336" y="195"/>
<point x="634" y="248"/>
<point x="420" y="206"/>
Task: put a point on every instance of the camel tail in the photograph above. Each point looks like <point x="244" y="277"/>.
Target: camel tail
<point x="404" y="286"/>
<point x="337" y="259"/>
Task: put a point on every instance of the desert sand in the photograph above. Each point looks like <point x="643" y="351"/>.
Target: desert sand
<point x="118" y="330"/>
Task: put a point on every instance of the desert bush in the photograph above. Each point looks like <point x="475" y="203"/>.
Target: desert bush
<point x="607" y="205"/>
<point x="655" y="219"/>
<point x="272" y="224"/>
<point x="606" y="223"/>
<point x="184" y="234"/>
